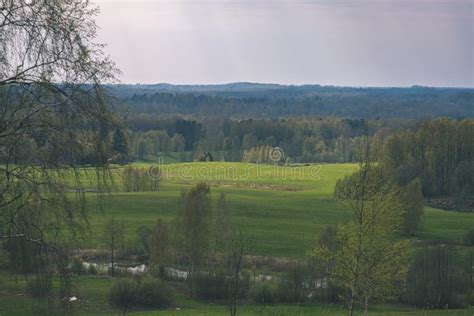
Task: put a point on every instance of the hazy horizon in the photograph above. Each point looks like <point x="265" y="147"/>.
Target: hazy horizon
<point x="340" y="43"/>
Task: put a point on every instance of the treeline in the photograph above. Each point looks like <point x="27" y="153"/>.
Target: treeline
<point x="295" y="101"/>
<point x="441" y="155"/>
<point x="302" y="139"/>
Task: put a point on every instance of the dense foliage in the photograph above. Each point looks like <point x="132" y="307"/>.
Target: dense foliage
<point x="441" y="154"/>
<point x="302" y="139"/>
<point x="437" y="279"/>
<point x="127" y="293"/>
<point x="261" y="101"/>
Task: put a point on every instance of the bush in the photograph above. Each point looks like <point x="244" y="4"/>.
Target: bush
<point x="208" y="286"/>
<point x="92" y="269"/>
<point x="77" y="267"/>
<point x="218" y="285"/>
<point x="39" y="287"/>
<point x="123" y="293"/>
<point x="437" y="279"/>
<point x="263" y="293"/>
<point x="126" y="293"/>
<point x="470" y="298"/>
<point x="290" y="288"/>
<point x="154" y="293"/>
<point x="469" y="237"/>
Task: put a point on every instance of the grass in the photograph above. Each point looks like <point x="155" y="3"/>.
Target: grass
<point x="92" y="293"/>
<point x="281" y="209"/>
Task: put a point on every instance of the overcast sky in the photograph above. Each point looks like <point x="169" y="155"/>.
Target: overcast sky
<point x="346" y="43"/>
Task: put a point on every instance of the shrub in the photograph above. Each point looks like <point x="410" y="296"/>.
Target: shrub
<point x="92" y="269"/>
<point x="126" y="293"/>
<point x="290" y="288"/>
<point x="263" y="293"/>
<point x="469" y="237"/>
<point x="39" y="287"/>
<point x="77" y="267"/>
<point x="470" y="297"/>
<point x="218" y="285"/>
<point x="208" y="286"/>
<point x="123" y="293"/>
<point x="154" y="293"/>
<point x="436" y="279"/>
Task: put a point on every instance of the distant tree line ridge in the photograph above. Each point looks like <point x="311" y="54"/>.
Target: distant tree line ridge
<point x="262" y="101"/>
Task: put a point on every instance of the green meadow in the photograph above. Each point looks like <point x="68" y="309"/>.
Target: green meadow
<point x="281" y="209"/>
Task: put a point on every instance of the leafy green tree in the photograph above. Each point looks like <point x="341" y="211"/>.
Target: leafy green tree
<point x="439" y="153"/>
<point x="367" y="261"/>
<point x="119" y="146"/>
<point x="54" y="115"/>
<point x="194" y="226"/>
<point x="160" y="247"/>
<point x="178" y="142"/>
<point x="412" y="202"/>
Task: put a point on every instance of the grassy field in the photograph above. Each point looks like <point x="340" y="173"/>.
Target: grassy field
<point x="281" y="209"/>
<point x="92" y="294"/>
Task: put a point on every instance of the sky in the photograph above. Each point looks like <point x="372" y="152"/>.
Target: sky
<point x="327" y="42"/>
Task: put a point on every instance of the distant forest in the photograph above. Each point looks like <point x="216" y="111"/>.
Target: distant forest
<point x="245" y="100"/>
<point x="437" y="151"/>
<point x="420" y="133"/>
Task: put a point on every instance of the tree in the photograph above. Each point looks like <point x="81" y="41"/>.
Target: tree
<point x="54" y="115"/>
<point x="144" y="237"/>
<point x="223" y="224"/>
<point x="194" y="225"/>
<point x="436" y="278"/>
<point x="322" y="269"/>
<point x="230" y="241"/>
<point x="439" y="153"/>
<point x="235" y="251"/>
<point x="367" y="262"/>
<point x="249" y="141"/>
<point x="138" y="180"/>
<point x="178" y="142"/>
<point x="469" y="237"/>
<point x="141" y="149"/>
<point x="119" y="146"/>
<point x="412" y="202"/>
<point x="113" y="238"/>
<point x="160" y="247"/>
